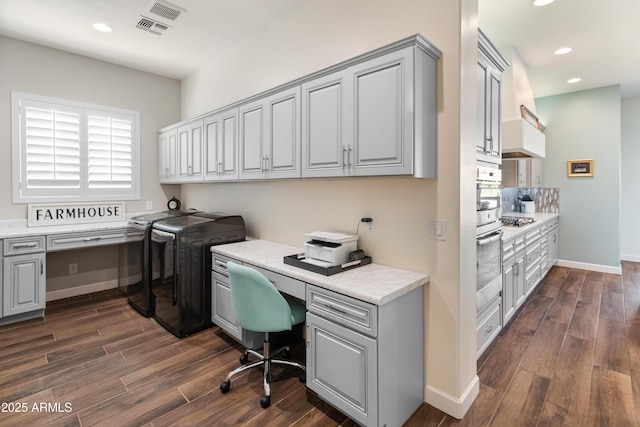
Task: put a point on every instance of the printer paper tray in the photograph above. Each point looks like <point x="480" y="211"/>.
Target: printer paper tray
<point x="298" y="261"/>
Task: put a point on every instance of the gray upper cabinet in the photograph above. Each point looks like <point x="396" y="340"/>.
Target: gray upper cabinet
<point x="168" y="156"/>
<point x="270" y="136"/>
<point x="325" y="125"/>
<point x="490" y="67"/>
<point x="190" y="151"/>
<point x="375" y="114"/>
<point x="221" y="146"/>
<point x="376" y="117"/>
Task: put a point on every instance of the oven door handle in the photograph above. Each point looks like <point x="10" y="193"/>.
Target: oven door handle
<point x="493" y="237"/>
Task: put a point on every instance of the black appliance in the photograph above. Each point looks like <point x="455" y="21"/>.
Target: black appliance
<point x="134" y="260"/>
<point x="182" y="288"/>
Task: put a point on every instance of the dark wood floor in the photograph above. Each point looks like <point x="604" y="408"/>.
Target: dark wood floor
<point x="570" y="357"/>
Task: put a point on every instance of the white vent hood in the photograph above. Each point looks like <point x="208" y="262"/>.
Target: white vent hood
<point x="522" y="135"/>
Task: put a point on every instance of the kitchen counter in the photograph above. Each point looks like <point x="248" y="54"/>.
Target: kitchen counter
<point x="19" y="228"/>
<point x="509" y="232"/>
<point x="373" y="283"/>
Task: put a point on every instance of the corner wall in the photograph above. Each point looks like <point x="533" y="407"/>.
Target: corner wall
<point x="630" y="178"/>
<point x="585" y="125"/>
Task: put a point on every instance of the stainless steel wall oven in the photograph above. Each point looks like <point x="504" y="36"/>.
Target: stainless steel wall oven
<point x="488" y="235"/>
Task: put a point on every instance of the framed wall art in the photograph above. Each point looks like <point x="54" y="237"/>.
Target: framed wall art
<point x="578" y="168"/>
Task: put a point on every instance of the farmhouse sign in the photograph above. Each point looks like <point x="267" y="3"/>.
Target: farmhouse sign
<point x="74" y="213"/>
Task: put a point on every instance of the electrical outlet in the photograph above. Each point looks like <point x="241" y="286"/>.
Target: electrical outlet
<point x="73" y="268"/>
<point x="149" y="205"/>
<point x="368" y="223"/>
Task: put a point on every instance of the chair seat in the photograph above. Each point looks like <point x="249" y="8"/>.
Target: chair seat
<point x="298" y="309"/>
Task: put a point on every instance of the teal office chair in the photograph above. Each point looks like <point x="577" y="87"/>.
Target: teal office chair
<point x="259" y="307"/>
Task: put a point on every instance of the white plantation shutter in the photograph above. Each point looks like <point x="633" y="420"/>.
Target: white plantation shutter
<point x="110" y="152"/>
<point x="52" y="147"/>
<point x="69" y="151"/>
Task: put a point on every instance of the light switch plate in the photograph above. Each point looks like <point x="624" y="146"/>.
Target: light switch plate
<point x="436" y="229"/>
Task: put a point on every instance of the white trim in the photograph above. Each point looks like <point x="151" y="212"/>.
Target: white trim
<point x="454" y="406"/>
<point x="632" y="258"/>
<point x="81" y="290"/>
<point x="586" y="266"/>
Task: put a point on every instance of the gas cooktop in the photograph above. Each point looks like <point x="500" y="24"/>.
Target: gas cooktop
<point x="516" y="221"/>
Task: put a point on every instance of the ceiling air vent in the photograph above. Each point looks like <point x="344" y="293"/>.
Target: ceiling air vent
<point x="165" y="9"/>
<point x="154" y="27"/>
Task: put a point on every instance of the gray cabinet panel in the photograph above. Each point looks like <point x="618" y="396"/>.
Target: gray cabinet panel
<point x="24" y="286"/>
<point x="342" y="368"/>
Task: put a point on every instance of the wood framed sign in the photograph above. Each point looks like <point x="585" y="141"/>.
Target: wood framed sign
<point x="74" y="213"/>
<point x="580" y="167"/>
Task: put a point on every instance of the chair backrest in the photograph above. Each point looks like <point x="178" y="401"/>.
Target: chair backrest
<point x="257" y="304"/>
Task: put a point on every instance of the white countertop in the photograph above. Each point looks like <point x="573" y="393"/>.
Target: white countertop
<point x="373" y="283"/>
<point x="509" y="232"/>
<point x="19" y="228"/>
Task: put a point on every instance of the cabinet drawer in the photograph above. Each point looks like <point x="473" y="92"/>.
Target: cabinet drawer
<point x="533" y="254"/>
<point x="350" y="312"/>
<point x="532" y="236"/>
<point x="58" y="242"/>
<point x="219" y="263"/>
<point x="488" y="328"/>
<point x="24" y="245"/>
<point x="534" y="275"/>
<point x="295" y="288"/>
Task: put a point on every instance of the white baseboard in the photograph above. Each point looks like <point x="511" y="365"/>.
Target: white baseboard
<point x="586" y="266"/>
<point x="81" y="290"/>
<point x="456" y="407"/>
<point x="632" y="258"/>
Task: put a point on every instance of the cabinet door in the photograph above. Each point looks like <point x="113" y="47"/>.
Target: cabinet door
<point x="326" y="120"/>
<point x="520" y="293"/>
<point x="221" y="146"/>
<point x="342" y="368"/>
<point x="24" y="283"/>
<point x="282" y="134"/>
<point x="251" y="144"/>
<point x="482" y="135"/>
<point x="383" y="115"/>
<point x="222" y="310"/>
<point x="495" y="114"/>
<point x="508" y="291"/>
<point x="190" y="151"/>
<point x="168" y="156"/>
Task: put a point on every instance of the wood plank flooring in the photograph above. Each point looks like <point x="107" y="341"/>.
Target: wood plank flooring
<point x="571" y="356"/>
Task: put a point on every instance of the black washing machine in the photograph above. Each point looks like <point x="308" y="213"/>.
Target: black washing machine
<point x="181" y="289"/>
<point x="135" y="259"/>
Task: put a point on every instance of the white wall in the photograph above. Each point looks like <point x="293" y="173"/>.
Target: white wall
<point x="39" y="70"/>
<point x="317" y="35"/>
<point x="630" y="174"/>
<point x="585" y="125"/>
<point x="30" y="68"/>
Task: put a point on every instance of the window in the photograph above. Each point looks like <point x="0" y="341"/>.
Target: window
<point x="71" y="151"/>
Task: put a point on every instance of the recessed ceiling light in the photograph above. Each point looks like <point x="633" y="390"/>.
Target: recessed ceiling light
<point x="563" y="51"/>
<point x="574" y="80"/>
<point x="542" y="2"/>
<point x="102" y="27"/>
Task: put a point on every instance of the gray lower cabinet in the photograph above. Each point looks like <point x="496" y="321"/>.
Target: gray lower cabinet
<point x="526" y="259"/>
<point x="222" y="306"/>
<point x="23" y="274"/>
<point x="366" y="360"/>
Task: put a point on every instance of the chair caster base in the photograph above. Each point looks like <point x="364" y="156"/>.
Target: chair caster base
<point x="225" y="386"/>
<point x="265" y="401"/>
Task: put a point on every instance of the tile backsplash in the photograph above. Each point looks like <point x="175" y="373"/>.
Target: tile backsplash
<point x="547" y="199"/>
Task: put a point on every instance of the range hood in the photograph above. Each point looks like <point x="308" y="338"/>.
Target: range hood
<point x="522" y="132"/>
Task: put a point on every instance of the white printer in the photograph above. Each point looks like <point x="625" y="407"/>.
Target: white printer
<point x="329" y="248"/>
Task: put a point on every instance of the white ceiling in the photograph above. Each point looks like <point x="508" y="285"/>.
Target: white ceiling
<point x="207" y="29"/>
<point x="601" y="33"/>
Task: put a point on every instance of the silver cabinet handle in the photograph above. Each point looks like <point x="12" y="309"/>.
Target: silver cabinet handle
<point x="25" y="245"/>
<point x="344" y="156"/>
<point x="349" y="156"/>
